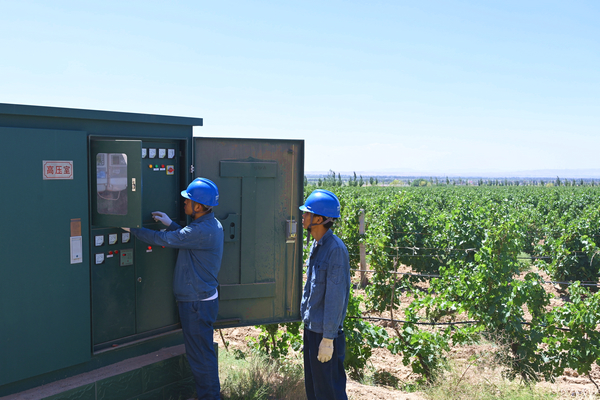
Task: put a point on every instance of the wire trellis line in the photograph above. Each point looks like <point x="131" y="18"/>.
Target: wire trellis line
<point x="582" y="283"/>
<point x="438" y="323"/>
<point x="532" y="258"/>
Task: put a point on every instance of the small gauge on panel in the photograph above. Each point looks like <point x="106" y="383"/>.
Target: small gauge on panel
<point x="162" y="153"/>
<point x="152" y="153"/>
<point x="99" y="258"/>
<point x="171" y="153"/>
<point x="112" y="238"/>
<point x="125" y="236"/>
<point x="98" y="240"/>
<point x="144" y="152"/>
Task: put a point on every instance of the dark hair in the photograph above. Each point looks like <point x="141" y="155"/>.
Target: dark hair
<point x="204" y="208"/>
<point x="327" y="225"/>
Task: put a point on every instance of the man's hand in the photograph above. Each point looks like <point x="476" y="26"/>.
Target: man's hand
<point x="325" y="350"/>
<point x="125" y="229"/>
<point x="162" y="217"/>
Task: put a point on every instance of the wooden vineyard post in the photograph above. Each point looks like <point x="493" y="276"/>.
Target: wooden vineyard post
<point x="364" y="280"/>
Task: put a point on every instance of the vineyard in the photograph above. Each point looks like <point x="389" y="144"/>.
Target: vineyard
<point x="472" y="261"/>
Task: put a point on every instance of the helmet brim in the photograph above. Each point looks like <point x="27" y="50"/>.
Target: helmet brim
<point x="303" y="208"/>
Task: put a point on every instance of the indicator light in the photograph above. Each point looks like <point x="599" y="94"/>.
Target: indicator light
<point x="162" y="166"/>
<point x="150" y="166"/>
<point x="149" y="247"/>
<point x="116" y="251"/>
<point x="110" y="252"/>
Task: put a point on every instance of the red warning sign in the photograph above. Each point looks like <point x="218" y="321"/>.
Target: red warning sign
<point x="170" y="170"/>
<point x="57" y="169"/>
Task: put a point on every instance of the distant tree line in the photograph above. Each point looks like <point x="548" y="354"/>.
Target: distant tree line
<point x="332" y="179"/>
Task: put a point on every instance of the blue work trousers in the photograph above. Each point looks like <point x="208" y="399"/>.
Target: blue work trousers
<point x="324" y="381"/>
<point x="197" y="318"/>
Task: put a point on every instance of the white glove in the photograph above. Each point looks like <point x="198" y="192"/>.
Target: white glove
<point x="162" y="217"/>
<point x="126" y="229"/>
<point x="325" y="350"/>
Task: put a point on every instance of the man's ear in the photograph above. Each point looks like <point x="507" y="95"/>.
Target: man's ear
<point x="319" y="220"/>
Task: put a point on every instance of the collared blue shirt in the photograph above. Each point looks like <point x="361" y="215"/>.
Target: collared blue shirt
<point x="325" y="298"/>
<point x="200" y="247"/>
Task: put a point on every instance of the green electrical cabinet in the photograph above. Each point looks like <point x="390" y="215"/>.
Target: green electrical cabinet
<point x="76" y="291"/>
<point x="44" y="293"/>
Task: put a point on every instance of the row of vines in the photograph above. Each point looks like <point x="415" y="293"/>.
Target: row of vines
<point x="475" y="257"/>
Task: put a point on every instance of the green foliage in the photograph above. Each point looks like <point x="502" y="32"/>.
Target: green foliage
<point x="419" y="182"/>
<point x="275" y="342"/>
<point x="260" y="378"/>
<point x="573" y="239"/>
<point x="577" y="346"/>
<point x="474" y="239"/>
<point x="361" y="337"/>
<point x="478" y="240"/>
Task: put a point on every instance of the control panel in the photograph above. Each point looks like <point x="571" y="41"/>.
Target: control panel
<point x="132" y="280"/>
<point x="109" y="244"/>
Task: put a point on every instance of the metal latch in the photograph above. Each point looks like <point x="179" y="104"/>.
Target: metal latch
<point x="231" y="227"/>
<point x="292" y="229"/>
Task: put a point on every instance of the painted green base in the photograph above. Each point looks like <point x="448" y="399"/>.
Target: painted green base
<point x="169" y="379"/>
<point x="143" y="378"/>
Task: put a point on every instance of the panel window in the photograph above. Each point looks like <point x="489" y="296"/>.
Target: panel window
<point x="111" y="183"/>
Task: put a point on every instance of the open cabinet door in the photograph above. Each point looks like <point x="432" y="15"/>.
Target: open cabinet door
<point x="116" y="176"/>
<point x="260" y="184"/>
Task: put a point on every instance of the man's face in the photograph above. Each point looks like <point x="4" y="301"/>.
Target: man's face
<point x="306" y="219"/>
<point x="188" y="207"/>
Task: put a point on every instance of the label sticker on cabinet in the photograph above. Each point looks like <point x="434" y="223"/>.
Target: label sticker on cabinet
<point x="76" y="249"/>
<point x="57" y="169"/>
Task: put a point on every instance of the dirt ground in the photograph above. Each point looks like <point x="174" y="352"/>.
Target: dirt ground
<point x="570" y="385"/>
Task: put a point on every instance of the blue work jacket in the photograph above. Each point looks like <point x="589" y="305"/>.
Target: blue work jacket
<point x="325" y="297"/>
<point x="200" y="247"/>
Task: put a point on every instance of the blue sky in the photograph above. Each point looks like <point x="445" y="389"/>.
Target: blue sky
<point x="432" y="86"/>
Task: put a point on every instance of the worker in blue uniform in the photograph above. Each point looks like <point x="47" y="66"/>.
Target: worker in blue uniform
<point x="195" y="282"/>
<point x="324" y="300"/>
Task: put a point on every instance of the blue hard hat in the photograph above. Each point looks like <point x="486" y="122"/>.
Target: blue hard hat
<point x="322" y="202"/>
<point x="203" y="191"/>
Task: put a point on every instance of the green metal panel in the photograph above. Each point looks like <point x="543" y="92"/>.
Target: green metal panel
<point x="260" y="186"/>
<point x="155" y="304"/>
<point x="161" y="187"/>
<point x="249" y="172"/>
<point x="44" y="298"/>
<point x="121" y="124"/>
<point x="113" y="289"/>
